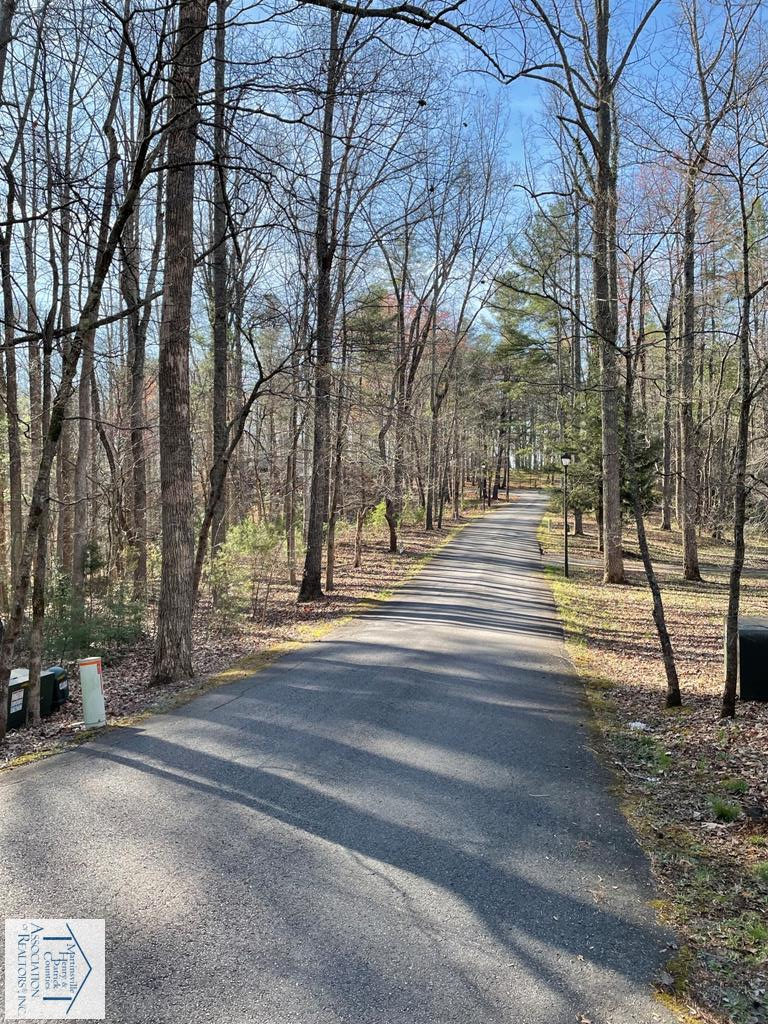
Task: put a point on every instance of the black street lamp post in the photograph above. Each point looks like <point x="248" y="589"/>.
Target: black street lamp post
<point x="565" y="458"/>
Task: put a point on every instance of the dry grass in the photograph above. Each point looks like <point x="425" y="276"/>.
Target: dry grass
<point x="696" y="787"/>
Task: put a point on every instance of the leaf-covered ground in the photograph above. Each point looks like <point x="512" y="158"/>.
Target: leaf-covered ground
<point x="695" y="787"/>
<point x="220" y="645"/>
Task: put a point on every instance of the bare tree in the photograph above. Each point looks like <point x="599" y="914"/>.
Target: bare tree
<point x="112" y="222"/>
<point x="579" y="62"/>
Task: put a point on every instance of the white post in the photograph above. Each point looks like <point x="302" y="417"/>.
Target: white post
<point x="92" y="687"/>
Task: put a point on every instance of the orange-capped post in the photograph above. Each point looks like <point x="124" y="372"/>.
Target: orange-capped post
<point x="92" y="688"/>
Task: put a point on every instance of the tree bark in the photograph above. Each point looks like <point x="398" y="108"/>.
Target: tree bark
<point x="666" y="487"/>
<point x="577" y="357"/>
<point x="129" y="282"/>
<point x="606" y="317"/>
<point x="689" y="440"/>
<point x="7" y="12"/>
<point x="338" y="469"/>
<point x="173" y="649"/>
<point x="65" y="465"/>
<point x="740" y="467"/>
<point x="325" y="247"/>
<point x="674" y="699"/>
<point x="219" y="272"/>
<point x="290" y="474"/>
<point x="432" y="467"/>
<point x="80" y="532"/>
<point x="11" y="382"/>
<point x="39" y="411"/>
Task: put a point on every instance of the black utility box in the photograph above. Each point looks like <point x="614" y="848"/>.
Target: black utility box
<point x="47" y="690"/>
<point x="54" y="691"/>
<point x="753" y="659"/>
<point x="17" y="701"/>
<point x="53" y="680"/>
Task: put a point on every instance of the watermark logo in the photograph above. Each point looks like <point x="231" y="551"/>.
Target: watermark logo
<point x="54" y="969"/>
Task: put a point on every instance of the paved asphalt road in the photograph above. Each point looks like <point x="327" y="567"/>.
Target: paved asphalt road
<point x="401" y="823"/>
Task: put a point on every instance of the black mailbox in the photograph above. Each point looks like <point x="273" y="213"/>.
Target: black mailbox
<point x="59" y="684"/>
<point x="18" y="693"/>
<point x="753" y="659"/>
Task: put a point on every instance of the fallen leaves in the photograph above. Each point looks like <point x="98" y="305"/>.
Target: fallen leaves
<point x="685" y="773"/>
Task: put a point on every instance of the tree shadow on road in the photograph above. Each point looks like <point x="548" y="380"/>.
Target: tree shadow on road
<point x="396" y="790"/>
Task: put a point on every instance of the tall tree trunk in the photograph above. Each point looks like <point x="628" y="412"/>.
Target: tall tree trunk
<point x="338" y="468"/>
<point x="740" y="470"/>
<point x="137" y="326"/>
<point x="40" y="416"/>
<point x="65" y="467"/>
<point x="129" y="281"/>
<point x="458" y="463"/>
<point x="432" y="469"/>
<point x="739" y="519"/>
<point x="219" y="271"/>
<point x="239" y="500"/>
<point x="325" y="246"/>
<point x="666" y="488"/>
<point x="36" y="633"/>
<point x="393" y="505"/>
<point x="606" y="316"/>
<point x="290" y="474"/>
<point x="7" y="12"/>
<point x="80" y="534"/>
<point x="576" y="358"/>
<point x="39" y="412"/>
<point x="435" y="414"/>
<point x="688" y="456"/>
<point x="670" y="668"/>
<point x="11" y="381"/>
<point x="499" y="451"/>
<point x="359" y="527"/>
<point x="173" y="650"/>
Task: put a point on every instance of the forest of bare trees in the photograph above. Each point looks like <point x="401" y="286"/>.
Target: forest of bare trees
<point x="270" y="270"/>
<point x="660" y="366"/>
